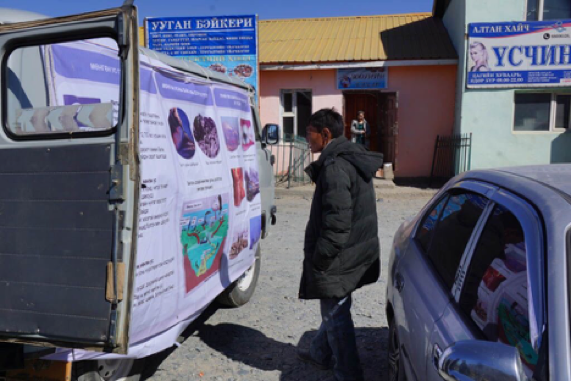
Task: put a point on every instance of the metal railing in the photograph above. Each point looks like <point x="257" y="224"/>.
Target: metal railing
<point x="452" y="156"/>
<point x="292" y="156"/>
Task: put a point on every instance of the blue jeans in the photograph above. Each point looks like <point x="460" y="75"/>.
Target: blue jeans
<point x="335" y="341"/>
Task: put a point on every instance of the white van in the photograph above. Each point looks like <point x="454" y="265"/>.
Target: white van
<point x="135" y="191"/>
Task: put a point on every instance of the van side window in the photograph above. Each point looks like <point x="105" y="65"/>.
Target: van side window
<point x="69" y="87"/>
<point x="453" y="231"/>
<point x="494" y="296"/>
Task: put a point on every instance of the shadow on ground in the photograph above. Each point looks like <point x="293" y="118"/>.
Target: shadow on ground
<point x="251" y="347"/>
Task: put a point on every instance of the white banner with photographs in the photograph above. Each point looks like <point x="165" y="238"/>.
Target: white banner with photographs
<point x="200" y="206"/>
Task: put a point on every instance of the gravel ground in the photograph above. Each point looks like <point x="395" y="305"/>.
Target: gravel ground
<point x="257" y="342"/>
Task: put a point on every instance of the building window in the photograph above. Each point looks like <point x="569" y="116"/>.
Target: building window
<point x="548" y="10"/>
<point x="296" y="110"/>
<point x="542" y="112"/>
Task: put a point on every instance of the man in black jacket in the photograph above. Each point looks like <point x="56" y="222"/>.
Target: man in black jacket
<point x="342" y="251"/>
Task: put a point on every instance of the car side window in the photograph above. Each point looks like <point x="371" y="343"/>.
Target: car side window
<point x="424" y="234"/>
<point x="494" y="294"/>
<point x="453" y="230"/>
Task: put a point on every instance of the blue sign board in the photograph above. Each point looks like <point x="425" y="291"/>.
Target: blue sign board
<point x="226" y="44"/>
<point x="519" y="54"/>
<point x="362" y="78"/>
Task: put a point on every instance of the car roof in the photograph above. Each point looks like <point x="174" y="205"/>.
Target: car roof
<point x="540" y="183"/>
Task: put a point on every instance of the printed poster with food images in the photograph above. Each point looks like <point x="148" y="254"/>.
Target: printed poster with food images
<point x="199" y="207"/>
<point x="226" y="44"/>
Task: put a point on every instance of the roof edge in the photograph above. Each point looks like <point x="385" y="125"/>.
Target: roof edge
<point x="427" y="14"/>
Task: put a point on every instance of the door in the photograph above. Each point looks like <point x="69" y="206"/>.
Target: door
<point x="491" y="298"/>
<point x="427" y="271"/>
<point x="389" y="130"/>
<point x="68" y="167"/>
<point x="369" y="103"/>
<point x="266" y="176"/>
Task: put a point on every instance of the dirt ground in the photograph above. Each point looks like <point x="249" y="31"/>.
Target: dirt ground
<point x="257" y="342"/>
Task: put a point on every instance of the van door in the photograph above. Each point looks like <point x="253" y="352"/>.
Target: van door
<point x="68" y="171"/>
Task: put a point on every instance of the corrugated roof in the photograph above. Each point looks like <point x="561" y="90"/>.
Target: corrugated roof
<point x="416" y="36"/>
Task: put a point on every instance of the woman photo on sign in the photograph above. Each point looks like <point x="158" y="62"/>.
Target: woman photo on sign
<point x="479" y="54"/>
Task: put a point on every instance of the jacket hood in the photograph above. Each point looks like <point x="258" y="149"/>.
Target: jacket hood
<point x="365" y="162"/>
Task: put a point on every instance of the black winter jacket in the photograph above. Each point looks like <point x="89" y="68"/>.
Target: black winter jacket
<point x="342" y="251"/>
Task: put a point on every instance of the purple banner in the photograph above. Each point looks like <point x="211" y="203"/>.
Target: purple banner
<point x="147" y="81"/>
<point x="184" y="91"/>
<point x="231" y="99"/>
<point x="83" y="64"/>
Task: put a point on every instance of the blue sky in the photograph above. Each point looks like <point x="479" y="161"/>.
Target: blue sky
<point x="266" y="9"/>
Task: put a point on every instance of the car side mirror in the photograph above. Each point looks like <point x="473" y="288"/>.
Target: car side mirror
<point x="481" y="360"/>
<point x="271" y="134"/>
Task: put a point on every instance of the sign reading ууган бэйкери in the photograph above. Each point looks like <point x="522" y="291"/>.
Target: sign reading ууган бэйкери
<point x="519" y="54"/>
<point x="362" y="78"/>
<point x="226" y="44"/>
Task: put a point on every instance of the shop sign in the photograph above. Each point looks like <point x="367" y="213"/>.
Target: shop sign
<point x="362" y="78"/>
<point x="226" y="44"/>
<point x="522" y="54"/>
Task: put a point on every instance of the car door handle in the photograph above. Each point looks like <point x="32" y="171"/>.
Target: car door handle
<point x="399" y="282"/>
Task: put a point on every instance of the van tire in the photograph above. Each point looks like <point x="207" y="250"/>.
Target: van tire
<point x="94" y="370"/>
<point x="240" y="292"/>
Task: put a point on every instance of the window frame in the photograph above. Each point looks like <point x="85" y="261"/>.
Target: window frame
<point x="57" y="39"/>
<point x="533" y="230"/>
<point x="293" y="112"/>
<point x="552" y="113"/>
<point x="467" y="186"/>
<point x="540" y="11"/>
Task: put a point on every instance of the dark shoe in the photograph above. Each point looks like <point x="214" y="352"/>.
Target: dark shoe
<point x="305" y="356"/>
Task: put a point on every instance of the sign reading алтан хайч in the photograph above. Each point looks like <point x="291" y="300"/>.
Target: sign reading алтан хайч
<point x="522" y="54"/>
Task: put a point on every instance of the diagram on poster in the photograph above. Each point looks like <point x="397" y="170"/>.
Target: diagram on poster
<point x="204" y="228"/>
<point x="255" y="230"/>
<point x="206" y="135"/>
<point x="238" y="185"/>
<point x="180" y="132"/>
<point x="239" y="241"/>
<point x="231" y="132"/>
<point x="248" y="135"/>
<point x="252" y="183"/>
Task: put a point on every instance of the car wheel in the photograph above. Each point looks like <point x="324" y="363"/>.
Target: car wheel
<point x="107" y="370"/>
<point x="241" y="291"/>
<point x="395" y="365"/>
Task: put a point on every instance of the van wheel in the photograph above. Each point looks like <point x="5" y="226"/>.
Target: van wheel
<point x="240" y="292"/>
<point x="395" y="365"/>
<point x="108" y="370"/>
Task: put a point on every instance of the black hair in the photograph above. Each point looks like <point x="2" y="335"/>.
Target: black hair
<point x="327" y="118"/>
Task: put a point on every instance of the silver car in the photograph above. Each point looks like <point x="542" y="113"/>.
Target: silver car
<point x="479" y="281"/>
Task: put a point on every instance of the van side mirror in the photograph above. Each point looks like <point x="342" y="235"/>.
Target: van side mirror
<point x="481" y="360"/>
<point x="271" y="134"/>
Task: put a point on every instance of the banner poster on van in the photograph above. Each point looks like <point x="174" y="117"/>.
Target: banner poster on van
<point x="226" y="44"/>
<point x="522" y="54"/>
<point x="362" y="78"/>
<point x="199" y="212"/>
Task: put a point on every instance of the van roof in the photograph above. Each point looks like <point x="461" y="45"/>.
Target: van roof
<point x="8" y="15"/>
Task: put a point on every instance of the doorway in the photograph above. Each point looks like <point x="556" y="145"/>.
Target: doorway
<point x="381" y="112"/>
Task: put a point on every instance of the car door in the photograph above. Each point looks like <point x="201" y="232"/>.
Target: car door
<point x="424" y="276"/>
<point x="498" y="293"/>
<point x="68" y="166"/>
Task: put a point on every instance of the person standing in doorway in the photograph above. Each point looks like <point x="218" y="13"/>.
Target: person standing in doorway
<point x="360" y="130"/>
<point x="341" y="248"/>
